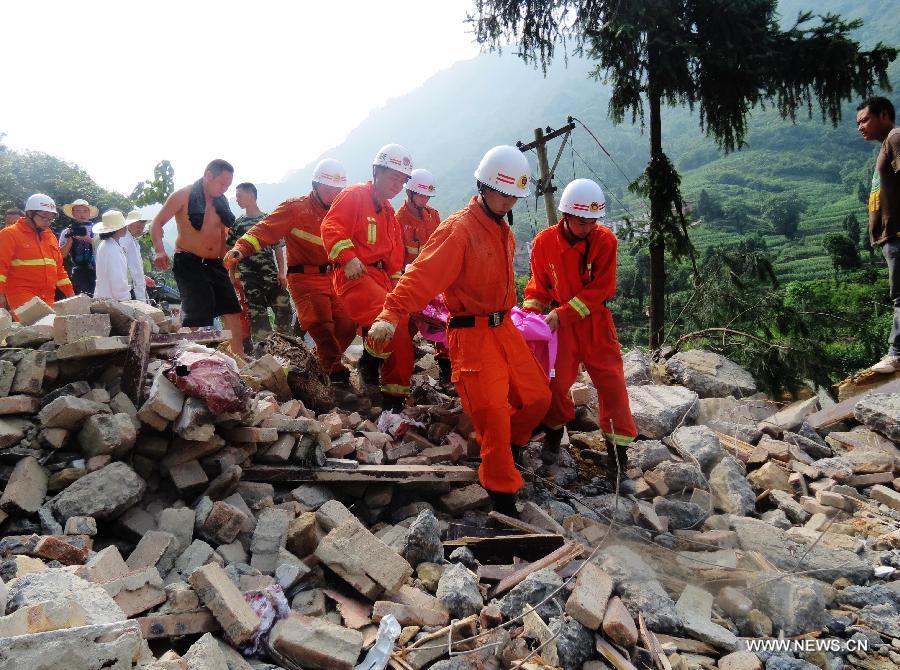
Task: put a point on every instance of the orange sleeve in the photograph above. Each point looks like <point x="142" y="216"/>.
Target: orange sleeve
<point x="338" y="226"/>
<point x="268" y="231"/>
<point x="601" y="288"/>
<point x="7" y="249"/>
<point x="434" y="220"/>
<point x="537" y="291"/>
<point x="437" y="267"/>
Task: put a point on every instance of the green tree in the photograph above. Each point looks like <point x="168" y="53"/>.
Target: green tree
<point x="721" y="56"/>
<point x="844" y="252"/>
<point x="155" y="190"/>
<point x="737" y="217"/>
<point x="783" y="211"/>
<point x="853" y="229"/>
<point x="707" y="208"/>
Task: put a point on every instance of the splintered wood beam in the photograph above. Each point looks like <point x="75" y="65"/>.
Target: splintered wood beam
<point x="844" y="409"/>
<point x="396" y="474"/>
<point x="197" y="336"/>
<point x="134" y="371"/>
<point x="559" y="558"/>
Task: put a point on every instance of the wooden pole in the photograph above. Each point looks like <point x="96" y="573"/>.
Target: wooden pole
<point x="546" y="185"/>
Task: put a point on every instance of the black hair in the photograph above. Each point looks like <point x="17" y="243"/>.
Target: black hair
<point x="246" y="186"/>
<point x="219" y="166"/>
<point x="876" y="105"/>
<point x="106" y="236"/>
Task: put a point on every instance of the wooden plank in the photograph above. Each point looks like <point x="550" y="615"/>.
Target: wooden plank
<point x="504" y="549"/>
<point x="844" y="409"/>
<point x="518" y="524"/>
<point x="652" y="644"/>
<point x="196" y="336"/>
<point x="557" y="559"/>
<point x="612" y="656"/>
<point x="134" y="371"/>
<point x="397" y="474"/>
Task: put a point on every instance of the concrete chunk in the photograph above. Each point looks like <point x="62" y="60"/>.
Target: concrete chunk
<point x="221" y="596"/>
<point x="269" y="537"/>
<point x="164" y="398"/>
<point x="27" y="486"/>
<point x="363" y="560"/>
<point x="30" y="372"/>
<point x="68" y="329"/>
<point x="317" y="644"/>
<point x="32" y="311"/>
<point x="587" y="604"/>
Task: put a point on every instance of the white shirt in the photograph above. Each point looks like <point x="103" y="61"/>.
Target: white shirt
<point x="112" y="271"/>
<point x="135" y="266"/>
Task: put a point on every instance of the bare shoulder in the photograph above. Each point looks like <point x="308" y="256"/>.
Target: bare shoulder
<point x="893" y="141"/>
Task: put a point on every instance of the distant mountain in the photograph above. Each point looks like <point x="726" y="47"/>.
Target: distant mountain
<point x="455" y="116"/>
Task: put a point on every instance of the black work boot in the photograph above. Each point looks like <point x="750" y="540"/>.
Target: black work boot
<point x="504" y="503"/>
<point x="446" y="370"/>
<point x="518" y="454"/>
<point x="617" y="463"/>
<point x="369" y="368"/>
<point x="393" y="403"/>
<point x="340" y="377"/>
<point x="550" y="448"/>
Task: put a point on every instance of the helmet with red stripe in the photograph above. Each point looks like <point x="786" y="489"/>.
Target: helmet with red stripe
<point x="395" y="157"/>
<point x="504" y="169"/>
<point x="583" y="198"/>
<point x="422" y="182"/>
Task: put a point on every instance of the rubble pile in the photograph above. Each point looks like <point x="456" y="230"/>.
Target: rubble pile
<point x="165" y="505"/>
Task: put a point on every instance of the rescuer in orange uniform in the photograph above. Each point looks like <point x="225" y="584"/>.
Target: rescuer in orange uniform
<point x="363" y="239"/>
<point x="417" y="222"/>
<point x="298" y="221"/>
<point x="469" y="259"/>
<point x="573" y="274"/>
<point x="30" y="261"/>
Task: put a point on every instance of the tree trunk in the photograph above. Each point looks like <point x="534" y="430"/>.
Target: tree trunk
<point x="657" y="215"/>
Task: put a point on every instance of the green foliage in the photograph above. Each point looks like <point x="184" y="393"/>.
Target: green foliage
<point x="158" y="189"/>
<point x="783" y="212"/>
<point x="24" y="173"/>
<point x="843" y="251"/>
<point x="853" y="229"/>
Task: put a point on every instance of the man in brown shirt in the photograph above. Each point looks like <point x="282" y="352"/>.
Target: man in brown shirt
<point x="203" y="219"/>
<point x="875" y="121"/>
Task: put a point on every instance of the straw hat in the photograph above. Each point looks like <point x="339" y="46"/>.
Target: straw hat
<point x="67" y="209"/>
<point x="111" y="221"/>
<point x="135" y="215"/>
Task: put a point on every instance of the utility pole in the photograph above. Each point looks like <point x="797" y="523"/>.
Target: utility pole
<point x="545" y="182"/>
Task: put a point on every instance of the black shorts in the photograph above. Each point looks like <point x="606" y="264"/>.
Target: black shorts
<point x="205" y="287"/>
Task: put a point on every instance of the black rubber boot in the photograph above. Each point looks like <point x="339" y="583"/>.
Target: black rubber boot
<point x="518" y="454"/>
<point x="504" y="503"/>
<point x="446" y="370"/>
<point x="369" y="368"/>
<point x="550" y="448"/>
<point x="617" y="464"/>
<point x="393" y="403"/>
<point x="340" y="377"/>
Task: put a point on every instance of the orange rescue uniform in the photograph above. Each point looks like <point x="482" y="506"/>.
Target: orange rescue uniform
<point x="500" y="384"/>
<point x="416" y="231"/>
<point x="298" y="221"/>
<point x="577" y="277"/>
<point x="358" y="225"/>
<point x="31" y="265"/>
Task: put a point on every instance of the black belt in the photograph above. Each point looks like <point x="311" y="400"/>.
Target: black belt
<point x="200" y="259"/>
<point x="494" y="319"/>
<point x="377" y="264"/>
<point x="310" y="269"/>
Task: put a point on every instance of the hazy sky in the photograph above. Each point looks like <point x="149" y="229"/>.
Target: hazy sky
<point x="117" y="86"/>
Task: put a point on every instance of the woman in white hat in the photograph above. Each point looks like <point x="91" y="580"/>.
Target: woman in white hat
<point x="135" y="227"/>
<point x="112" y="265"/>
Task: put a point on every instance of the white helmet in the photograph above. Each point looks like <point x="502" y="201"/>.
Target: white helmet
<point x="330" y="172"/>
<point x="40" y="202"/>
<point x="421" y="181"/>
<point x="584" y="198"/>
<point x="505" y="169"/>
<point x="395" y="157"/>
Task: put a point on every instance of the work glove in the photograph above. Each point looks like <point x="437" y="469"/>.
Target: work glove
<point x="354" y="269"/>
<point x="232" y="258"/>
<point x="381" y="332"/>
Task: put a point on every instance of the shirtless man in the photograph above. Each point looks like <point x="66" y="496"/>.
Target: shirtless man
<point x="203" y="219"/>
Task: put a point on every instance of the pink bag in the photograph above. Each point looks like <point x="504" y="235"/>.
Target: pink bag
<point x="537" y="336"/>
<point x="432" y="321"/>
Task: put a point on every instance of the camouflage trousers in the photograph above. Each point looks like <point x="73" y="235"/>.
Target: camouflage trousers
<point x="257" y="295"/>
